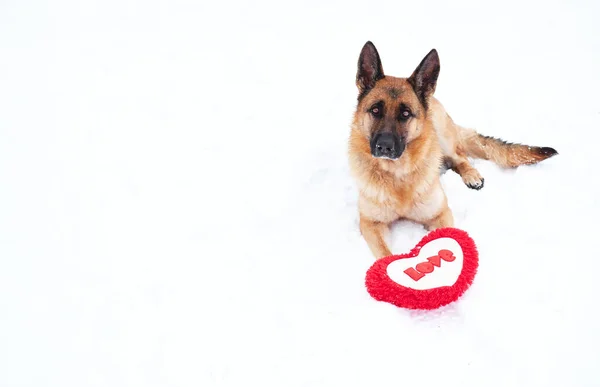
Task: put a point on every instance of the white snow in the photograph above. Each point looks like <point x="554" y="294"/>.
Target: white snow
<point x="176" y="207"/>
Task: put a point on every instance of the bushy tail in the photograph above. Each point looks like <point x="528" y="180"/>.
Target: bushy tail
<point x="503" y="153"/>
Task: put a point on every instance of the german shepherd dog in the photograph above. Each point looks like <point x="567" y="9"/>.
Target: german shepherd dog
<point x="401" y="139"/>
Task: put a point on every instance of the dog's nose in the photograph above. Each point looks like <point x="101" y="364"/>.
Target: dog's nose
<point x="386" y="145"/>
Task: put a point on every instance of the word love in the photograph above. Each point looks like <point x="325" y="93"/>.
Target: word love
<point x="424" y="268"/>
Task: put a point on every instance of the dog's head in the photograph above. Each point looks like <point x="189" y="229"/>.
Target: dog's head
<point x="391" y="111"/>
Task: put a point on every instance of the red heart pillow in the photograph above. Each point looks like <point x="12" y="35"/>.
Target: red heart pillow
<point x="433" y="274"/>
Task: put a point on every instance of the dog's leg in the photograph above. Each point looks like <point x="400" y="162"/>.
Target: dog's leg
<point x="374" y="233"/>
<point x="470" y="176"/>
<point x="443" y="219"/>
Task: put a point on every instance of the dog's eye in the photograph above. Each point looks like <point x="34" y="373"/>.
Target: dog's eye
<point x="376" y="111"/>
<point x="405" y="114"/>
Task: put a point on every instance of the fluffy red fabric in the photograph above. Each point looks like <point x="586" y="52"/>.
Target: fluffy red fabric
<point x="382" y="288"/>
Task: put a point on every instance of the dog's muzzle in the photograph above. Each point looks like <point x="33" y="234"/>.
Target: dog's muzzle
<point x="387" y="145"/>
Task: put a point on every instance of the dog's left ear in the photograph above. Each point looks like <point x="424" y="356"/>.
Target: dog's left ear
<point x="424" y="78"/>
<point x="369" y="68"/>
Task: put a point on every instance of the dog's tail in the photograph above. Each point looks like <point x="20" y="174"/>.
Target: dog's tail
<point x="505" y="154"/>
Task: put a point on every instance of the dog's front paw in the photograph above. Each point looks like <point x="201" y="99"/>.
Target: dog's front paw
<point x="477" y="185"/>
<point x="473" y="179"/>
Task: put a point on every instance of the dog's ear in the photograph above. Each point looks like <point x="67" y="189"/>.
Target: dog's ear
<point x="424" y="78"/>
<point x="369" y="68"/>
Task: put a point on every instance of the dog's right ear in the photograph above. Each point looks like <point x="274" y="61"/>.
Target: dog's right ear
<point x="369" y="68"/>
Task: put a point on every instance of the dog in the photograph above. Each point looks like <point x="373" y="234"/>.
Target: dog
<point x="401" y="139"/>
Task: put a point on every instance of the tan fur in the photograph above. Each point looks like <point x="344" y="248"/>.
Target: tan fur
<point x="410" y="187"/>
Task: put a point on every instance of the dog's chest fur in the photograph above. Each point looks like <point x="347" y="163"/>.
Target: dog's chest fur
<point x="406" y="188"/>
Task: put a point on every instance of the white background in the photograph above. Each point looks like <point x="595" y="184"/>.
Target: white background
<point x="176" y="207"/>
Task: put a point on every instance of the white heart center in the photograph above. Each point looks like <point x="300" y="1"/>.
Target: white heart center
<point x="429" y="269"/>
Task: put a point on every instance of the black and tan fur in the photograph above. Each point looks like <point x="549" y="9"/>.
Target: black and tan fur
<point x="401" y="137"/>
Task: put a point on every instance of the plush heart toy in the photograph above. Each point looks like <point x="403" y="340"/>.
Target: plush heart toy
<point x="433" y="274"/>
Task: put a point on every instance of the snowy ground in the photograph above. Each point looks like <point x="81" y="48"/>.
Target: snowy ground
<point x="176" y="208"/>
